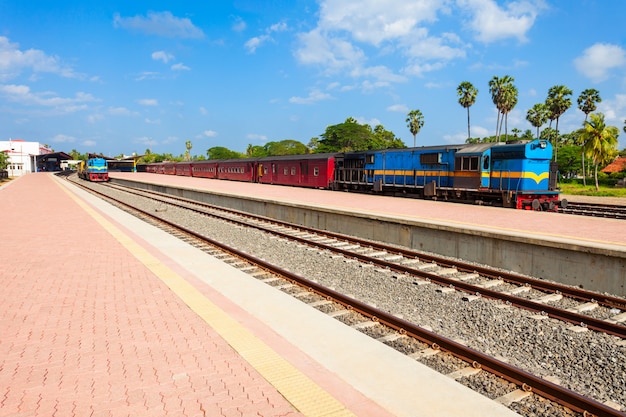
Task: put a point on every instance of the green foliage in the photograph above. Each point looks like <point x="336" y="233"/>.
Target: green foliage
<point x="569" y="161"/>
<point x="415" y="122"/>
<point x="285" y="147"/>
<point x="4" y="160"/>
<point x="353" y="136"/>
<point x="220" y="152"/>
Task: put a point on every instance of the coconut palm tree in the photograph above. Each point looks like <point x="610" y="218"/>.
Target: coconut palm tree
<point x="600" y="141"/>
<point x="509" y="101"/>
<point x="558" y="102"/>
<point x="587" y="101"/>
<point x="498" y="88"/>
<point x="537" y="116"/>
<point x="415" y="122"/>
<point x="467" y="97"/>
<point x="188" y="151"/>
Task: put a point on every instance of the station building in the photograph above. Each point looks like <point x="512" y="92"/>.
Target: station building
<point x="26" y="157"/>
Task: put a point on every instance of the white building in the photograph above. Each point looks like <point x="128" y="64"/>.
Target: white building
<point x="22" y="155"/>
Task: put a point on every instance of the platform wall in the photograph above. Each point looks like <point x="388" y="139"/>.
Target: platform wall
<point x="592" y="268"/>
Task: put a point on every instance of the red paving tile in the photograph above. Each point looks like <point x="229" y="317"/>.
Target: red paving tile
<point x="86" y="329"/>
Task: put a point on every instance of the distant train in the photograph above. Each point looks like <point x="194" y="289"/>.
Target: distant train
<point x="95" y="169"/>
<point x="517" y="175"/>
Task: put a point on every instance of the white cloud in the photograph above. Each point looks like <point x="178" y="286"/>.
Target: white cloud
<point x="492" y="22"/>
<point x="14" y="61"/>
<point x="120" y="111"/>
<point x="239" y="25"/>
<point x="400" y="108"/>
<point x="256" y="137"/>
<point x="160" y="24"/>
<point x="596" y="61"/>
<point x="253" y="43"/>
<point x="162" y="56"/>
<point x="152" y="121"/>
<point x="180" y="67"/>
<point x="60" y="138"/>
<point x="314" y="96"/>
<point x="203" y="111"/>
<point x="22" y="94"/>
<point x="209" y="133"/>
<point x="148" y="102"/>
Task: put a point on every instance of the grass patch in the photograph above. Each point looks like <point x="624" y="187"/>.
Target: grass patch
<point x="590" y="189"/>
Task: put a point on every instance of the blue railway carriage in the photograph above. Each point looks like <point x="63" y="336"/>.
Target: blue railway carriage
<point x="95" y="169"/>
<point x="510" y="175"/>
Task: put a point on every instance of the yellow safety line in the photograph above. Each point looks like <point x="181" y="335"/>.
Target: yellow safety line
<point x="304" y="394"/>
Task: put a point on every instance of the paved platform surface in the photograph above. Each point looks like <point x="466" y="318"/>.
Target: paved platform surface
<point x="103" y="315"/>
<point x="573" y="229"/>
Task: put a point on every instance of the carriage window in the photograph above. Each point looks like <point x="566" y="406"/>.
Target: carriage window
<point x="316" y="171"/>
<point x="286" y="171"/>
<point x="293" y="170"/>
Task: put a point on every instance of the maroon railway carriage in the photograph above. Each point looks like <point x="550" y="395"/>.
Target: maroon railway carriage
<point x="204" y="169"/>
<point x="313" y="170"/>
<point x="236" y="170"/>
<point x="183" y="168"/>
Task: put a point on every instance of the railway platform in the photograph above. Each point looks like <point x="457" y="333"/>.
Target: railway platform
<point x="104" y="315"/>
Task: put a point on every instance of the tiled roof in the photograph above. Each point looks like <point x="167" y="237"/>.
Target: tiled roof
<point x="616" y="166"/>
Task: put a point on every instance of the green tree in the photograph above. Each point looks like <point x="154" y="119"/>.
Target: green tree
<point x="4" y="160"/>
<point x="600" y="141"/>
<point x="285" y="147"/>
<point x="558" y="102"/>
<point x="188" y="146"/>
<point x="569" y="160"/>
<point x="504" y="96"/>
<point x="415" y="122"/>
<point x="384" y="139"/>
<point x="255" y="151"/>
<point x="509" y="101"/>
<point x="587" y="101"/>
<point x="467" y="97"/>
<point x="345" y="137"/>
<point x="220" y="152"/>
<point x="537" y="116"/>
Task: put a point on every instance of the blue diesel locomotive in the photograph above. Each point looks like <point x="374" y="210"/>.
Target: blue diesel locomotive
<point x="518" y="175"/>
<point x="95" y="169"/>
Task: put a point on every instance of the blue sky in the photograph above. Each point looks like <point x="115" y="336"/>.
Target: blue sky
<point x="122" y="77"/>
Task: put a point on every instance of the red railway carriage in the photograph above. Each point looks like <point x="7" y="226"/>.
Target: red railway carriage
<point x="236" y="170"/>
<point x="169" y="168"/>
<point x="204" y="169"/>
<point x="183" y="168"/>
<point x="313" y="170"/>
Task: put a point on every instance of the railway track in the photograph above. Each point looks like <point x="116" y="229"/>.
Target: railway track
<point x="426" y="268"/>
<point x="611" y="211"/>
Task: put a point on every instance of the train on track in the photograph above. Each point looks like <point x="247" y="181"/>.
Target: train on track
<point x="516" y="174"/>
<point x="94" y="169"/>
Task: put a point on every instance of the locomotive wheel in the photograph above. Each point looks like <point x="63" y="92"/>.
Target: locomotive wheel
<point x="536" y="205"/>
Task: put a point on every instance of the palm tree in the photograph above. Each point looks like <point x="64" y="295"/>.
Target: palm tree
<point x="587" y="103"/>
<point x="509" y="101"/>
<point x="600" y="141"/>
<point x="500" y="89"/>
<point x="467" y="97"/>
<point x="537" y="116"/>
<point x="558" y="102"/>
<point x="188" y="151"/>
<point x="415" y="121"/>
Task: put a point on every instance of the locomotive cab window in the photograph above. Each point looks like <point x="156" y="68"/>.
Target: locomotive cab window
<point x="468" y="163"/>
<point x="486" y="162"/>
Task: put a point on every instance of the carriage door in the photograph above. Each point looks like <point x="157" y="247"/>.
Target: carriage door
<point x="485" y="170"/>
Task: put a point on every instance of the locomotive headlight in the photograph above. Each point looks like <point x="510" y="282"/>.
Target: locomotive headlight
<point x="543" y="144"/>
